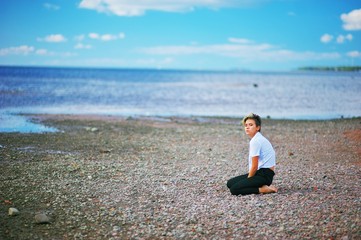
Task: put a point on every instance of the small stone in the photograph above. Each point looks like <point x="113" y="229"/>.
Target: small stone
<point x="41" y="218"/>
<point x="104" y="151"/>
<point x="90" y="129"/>
<point x="13" y="212"/>
<point x="117" y="229"/>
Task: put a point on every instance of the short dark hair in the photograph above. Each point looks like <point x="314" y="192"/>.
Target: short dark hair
<point x="255" y="117"/>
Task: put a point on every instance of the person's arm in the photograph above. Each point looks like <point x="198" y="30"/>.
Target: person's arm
<point x="254" y="166"/>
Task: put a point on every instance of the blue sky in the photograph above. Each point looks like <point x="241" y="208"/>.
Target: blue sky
<point x="271" y="35"/>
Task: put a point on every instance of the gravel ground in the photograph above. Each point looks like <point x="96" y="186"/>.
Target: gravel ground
<point x="114" y="178"/>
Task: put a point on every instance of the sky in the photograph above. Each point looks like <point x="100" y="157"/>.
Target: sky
<point x="256" y="35"/>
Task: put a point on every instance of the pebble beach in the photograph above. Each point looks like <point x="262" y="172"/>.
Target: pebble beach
<point x="106" y="177"/>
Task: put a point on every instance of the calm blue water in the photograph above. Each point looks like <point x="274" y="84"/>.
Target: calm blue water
<point x="291" y="95"/>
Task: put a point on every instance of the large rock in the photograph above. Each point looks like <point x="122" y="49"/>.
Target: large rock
<point x="41" y="218"/>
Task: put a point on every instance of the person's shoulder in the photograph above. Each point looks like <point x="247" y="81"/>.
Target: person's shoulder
<point x="265" y="141"/>
<point x="256" y="138"/>
<point x="260" y="138"/>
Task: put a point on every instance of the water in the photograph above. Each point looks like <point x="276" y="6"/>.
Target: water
<point x="17" y="123"/>
<point x="131" y="92"/>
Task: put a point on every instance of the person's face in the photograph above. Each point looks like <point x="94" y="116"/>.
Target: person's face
<point x="250" y="128"/>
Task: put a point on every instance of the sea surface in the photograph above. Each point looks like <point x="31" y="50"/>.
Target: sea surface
<point x="162" y="93"/>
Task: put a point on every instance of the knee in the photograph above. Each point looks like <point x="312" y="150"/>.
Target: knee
<point x="234" y="191"/>
<point x="229" y="185"/>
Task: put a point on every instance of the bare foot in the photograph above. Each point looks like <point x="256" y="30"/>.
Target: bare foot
<point x="268" y="189"/>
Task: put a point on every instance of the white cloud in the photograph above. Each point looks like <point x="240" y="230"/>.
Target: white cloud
<point x="79" y="38"/>
<point x="20" y="50"/>
<point x="46" y="53"/>
<point x="30" y="50"/>
<point x="342" y="38"/>
<point x="326" y="38"/>
<point x="354" y="54"/>
<point x="352" y="20"/>
<point x="54" y="38"/>
<point x="83" y="46"/>
<point x="244" y="51"/>
<point x="51" y="6"/>
<point x="239" y="40"/>
<point x="93" y="35"/>
<point x="106" y="37"/>
<point x="43" y="52"/>
<point x="349" y="37"/>
<point x="154" y="62"/>
<point x="139" y="7"/>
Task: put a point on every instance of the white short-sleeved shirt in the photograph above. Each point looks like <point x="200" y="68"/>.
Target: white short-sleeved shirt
<point x="260" y="146"/>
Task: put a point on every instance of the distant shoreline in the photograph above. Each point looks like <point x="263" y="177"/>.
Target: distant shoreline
<point x="332" y="69"/>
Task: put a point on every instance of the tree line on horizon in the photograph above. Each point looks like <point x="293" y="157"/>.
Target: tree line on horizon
<point x="335" y="69"/>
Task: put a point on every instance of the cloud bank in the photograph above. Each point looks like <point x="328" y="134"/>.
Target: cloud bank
<point x="54" y="38"/>
<point x="244" y="49"/>
<point x="25" y="50"/>
<point x="20" y="50"/>
<point x="106" y="37"/>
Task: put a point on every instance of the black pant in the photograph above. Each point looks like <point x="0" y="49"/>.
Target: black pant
<point x="244" y="185"/>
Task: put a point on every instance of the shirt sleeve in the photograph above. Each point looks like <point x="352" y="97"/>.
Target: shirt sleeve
<point x="254" y="148"/>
